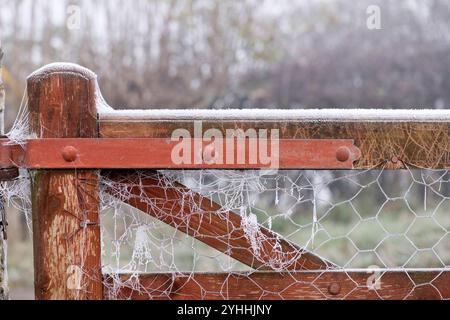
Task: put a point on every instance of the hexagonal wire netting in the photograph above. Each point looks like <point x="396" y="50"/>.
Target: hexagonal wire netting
<point x="386" y="219"/>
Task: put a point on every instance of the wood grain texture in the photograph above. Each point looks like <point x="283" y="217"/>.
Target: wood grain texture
<point x="3" y="247"/>
<point x="206" y="221"/>
<point x="134" y="153"/>
<point x="421" y="144"/>
<point x="66" y="235"/>
<point x="394" y="285"/>
<point x="66" y="232"/>
<point x="2" y="96"/>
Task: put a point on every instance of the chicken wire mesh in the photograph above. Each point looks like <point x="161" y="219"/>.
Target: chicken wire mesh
<point x="351" y="220"/>
<point x="240" y="223"/>
<point x="316" y="221"/>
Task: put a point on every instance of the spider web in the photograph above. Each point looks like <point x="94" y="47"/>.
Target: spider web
<point x="354" y="220"/>
<point x="375" y="220"/>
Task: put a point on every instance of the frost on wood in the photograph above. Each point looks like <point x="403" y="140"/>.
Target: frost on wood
<point x="345" y="115"/>
<point x="61" y="67"/>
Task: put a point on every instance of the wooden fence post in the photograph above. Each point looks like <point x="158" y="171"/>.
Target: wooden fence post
<point x="66" y="231"/>
<point x="2" y="95"/>
<point x="3" y="272"/>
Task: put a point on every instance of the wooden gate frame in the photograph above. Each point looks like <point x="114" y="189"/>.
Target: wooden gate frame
<point x="63" y="115"/>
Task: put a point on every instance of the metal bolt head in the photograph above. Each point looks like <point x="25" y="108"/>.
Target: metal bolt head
<point x="334" y="288"/>
<point x="69" y="153"/>
<point x="343" y="154"/>
<point x="394" y="159"/>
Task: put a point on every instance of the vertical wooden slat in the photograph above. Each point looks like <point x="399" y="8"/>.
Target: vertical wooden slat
<point x="2" y="96"/>
<point x="66" y="230"/>
<point x="3" y="273"/>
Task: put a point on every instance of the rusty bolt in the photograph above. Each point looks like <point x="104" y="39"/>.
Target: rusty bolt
<point x="394" y="159"/>
<point x="69" y="154"/>
<point x="343" y="154"/>
<point x="334" y="288"/>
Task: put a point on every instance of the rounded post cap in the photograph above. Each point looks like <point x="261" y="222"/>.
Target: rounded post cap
<point x="61" y="67"/>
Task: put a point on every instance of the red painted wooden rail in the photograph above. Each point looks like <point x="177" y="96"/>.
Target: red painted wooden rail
<point x="156" y="153"/>
<point x="75" y="136"/>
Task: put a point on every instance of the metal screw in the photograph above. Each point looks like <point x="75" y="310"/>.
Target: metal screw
<point x="69" y="154"/>
<point x="334" y="288"/>
<point x="343" y="154"/>
<point x="394" y="159"/>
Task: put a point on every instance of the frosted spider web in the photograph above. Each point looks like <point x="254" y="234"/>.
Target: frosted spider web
<point x="386" y="220"/>
<point x="355" y="220"/>
<point x="391" y="220"/>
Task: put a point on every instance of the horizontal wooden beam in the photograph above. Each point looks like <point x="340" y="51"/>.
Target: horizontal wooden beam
<point x="206" y="221"/>
<point x="290" y="115"/>
<point x="389" y="144"/>
<point x="166" y="153"/>
<point x="307" y="285"/>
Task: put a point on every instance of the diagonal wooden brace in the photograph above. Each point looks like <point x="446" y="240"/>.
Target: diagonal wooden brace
<point x="206" y="221"/>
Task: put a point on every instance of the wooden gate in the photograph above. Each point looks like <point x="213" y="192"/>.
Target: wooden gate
<point x="77" y="138"/>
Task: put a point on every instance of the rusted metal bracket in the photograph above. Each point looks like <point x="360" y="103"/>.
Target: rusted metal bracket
<point x="160" y="153"/>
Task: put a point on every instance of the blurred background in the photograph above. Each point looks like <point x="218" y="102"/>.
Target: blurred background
<point x="222" y="54"/>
